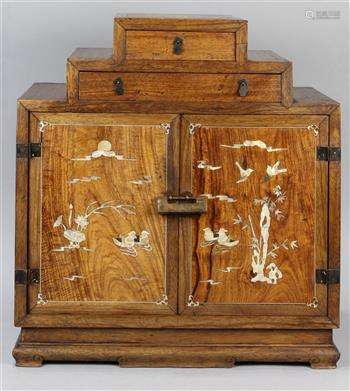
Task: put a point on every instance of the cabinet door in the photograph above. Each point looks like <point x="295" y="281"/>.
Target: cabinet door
<point x="256" y="249"/>
<point x="95" y="233"/>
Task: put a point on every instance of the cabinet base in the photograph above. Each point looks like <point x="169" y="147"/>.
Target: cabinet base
<point x="178" y="353"/>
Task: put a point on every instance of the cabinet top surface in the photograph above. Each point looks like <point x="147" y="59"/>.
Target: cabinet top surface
<point x="52" y="96"/>
<point x="87" y="54"/>
<point x="172" y="17"/>
<point x="101" y="59"/>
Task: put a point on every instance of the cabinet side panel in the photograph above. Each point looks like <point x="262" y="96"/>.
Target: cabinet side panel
<point x="119" y="43"/>
<point x="72" y="83"/>
<point x="34" y="209"/>
<point x="334" y="216"/>
<point x="21" y="213"/>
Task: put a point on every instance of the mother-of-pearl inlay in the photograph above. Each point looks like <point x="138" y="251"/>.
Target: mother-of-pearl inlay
<point x="104" y="148"/>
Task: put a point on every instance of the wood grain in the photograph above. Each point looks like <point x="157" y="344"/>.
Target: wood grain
<point x="105" y="270"/>
<point x="154" y="309"/>
<point x="99" y="86"/>
<point x="188" y="337"/>
<point x="205" y="38"/>
<point x="51" y="97"/>
<point x="119" y="44"/>
<point x="182" y="23"/>
<point x="299" y="209"/>
<point x="72" y="75"/>
<point x="321" y="217"/>
<point x="287" y="86"/>
<point x="158" y="45"/>
<point x="34" y="211"/>
<point x="77" y="319"/>
<point x="21" y="234"/>
<point x="255" y="61"/>
<point x="242" y="44"/>
<point x="220" y="350"/>
<point x="334" y="216"/>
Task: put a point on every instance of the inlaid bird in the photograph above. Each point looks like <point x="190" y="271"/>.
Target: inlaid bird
<point x="274" y="170"/>
<point x="224" y="239"/>
<point x="244" y="173"/>
<point x="204" y="164"/>
<point x="209" y="236"/>
<point x="126" y="241"/>
<point x="144" y="241"/>
<point x="211" y="282"/>
<point x="129" y="239"/>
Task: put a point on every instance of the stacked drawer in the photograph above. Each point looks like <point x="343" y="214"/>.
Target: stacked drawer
<point x="179" y="60"/>
<point x="173" y="39"/>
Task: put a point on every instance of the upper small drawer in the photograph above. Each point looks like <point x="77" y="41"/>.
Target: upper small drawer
<point x="179" y="45"/>
<point x="172" y="39"/>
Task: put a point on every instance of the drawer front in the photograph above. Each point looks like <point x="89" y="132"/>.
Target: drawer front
<point x="176" y="87"/>
<point x="174" y="39"/>
<point x="180" y="45"/>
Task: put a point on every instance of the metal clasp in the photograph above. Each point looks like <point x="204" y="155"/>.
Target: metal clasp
<point x="28" y="150"/>
<point x="327" y="276"/>
<point x="182" y="198"/>
<point x="185" y="204"/>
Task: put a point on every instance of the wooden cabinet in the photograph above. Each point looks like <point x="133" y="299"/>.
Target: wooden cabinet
<point x="176" y="227"/>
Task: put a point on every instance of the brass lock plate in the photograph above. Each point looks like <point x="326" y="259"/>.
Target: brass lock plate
<point x="182" y="205"/>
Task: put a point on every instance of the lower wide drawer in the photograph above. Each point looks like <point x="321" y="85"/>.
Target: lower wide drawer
<point x="185" y="87"/>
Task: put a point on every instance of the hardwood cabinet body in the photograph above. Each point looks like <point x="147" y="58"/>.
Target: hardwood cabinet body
<point x="175" y="232"/>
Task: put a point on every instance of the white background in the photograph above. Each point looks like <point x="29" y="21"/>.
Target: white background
<point x="37" y="38"/>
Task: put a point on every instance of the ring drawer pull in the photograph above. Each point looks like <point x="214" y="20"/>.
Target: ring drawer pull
<point x="183" y="205"/>
<point x="177" y="45"/>
<point x="119" y="86"/>
<point x="243" y="87"/>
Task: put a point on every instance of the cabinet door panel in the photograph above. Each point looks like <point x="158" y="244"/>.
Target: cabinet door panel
<point x="256" y="248"/>
<point x="102" y="239"/>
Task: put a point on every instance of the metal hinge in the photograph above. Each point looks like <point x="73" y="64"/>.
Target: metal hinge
<point x="27" y="276"/>
<point x="28" y="150"/>
<point x="327" y="276"/>
<point x="328" y="154"/>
